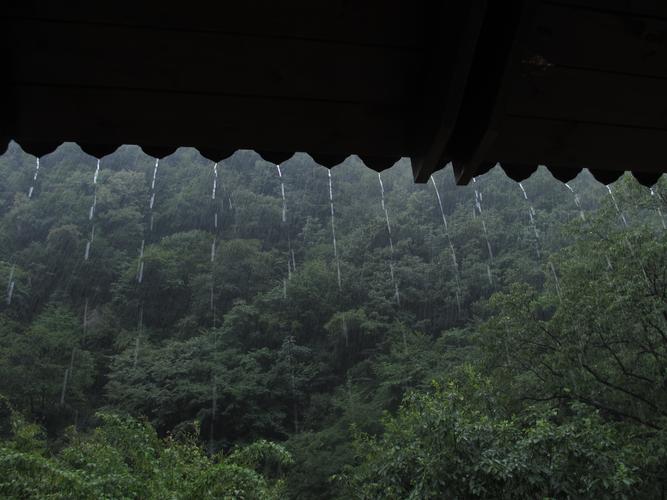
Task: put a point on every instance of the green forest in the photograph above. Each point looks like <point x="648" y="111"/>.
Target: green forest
<point x="185" y="329"/>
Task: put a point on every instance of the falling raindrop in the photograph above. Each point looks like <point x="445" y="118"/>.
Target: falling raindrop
<point x="282" y="192"/>
<point x="97" y="172"/>
<point x="533" y="225"/>
<point x="140" y="264"/>
<point x="451" y="246"/>
<point x="215" y="180"/>
<point x="91" y="212"/>
<point x="577" y="202"/>
<point x="658" y="209"/>
<point x="34" y="179"/>
<point x="291" y="266"/>
<point x="397" y="296"/>
<point x="556" y="280"/>
<point x="10" y="285"/>
<point x="478" y="208"/>
<point x="618" y="210"/>
<point x="333" y="232"/>
<point x="213" y="245"/>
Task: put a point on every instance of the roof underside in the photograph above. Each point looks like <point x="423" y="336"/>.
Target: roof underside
<point x="569" y="84"/>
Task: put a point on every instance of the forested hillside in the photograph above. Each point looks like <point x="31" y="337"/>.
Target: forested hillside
<point x="179" y="329"/>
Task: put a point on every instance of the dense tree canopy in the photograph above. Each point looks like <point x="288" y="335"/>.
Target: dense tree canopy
<point x="497" y="346"/>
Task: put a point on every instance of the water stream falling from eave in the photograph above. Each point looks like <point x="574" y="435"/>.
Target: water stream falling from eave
<point x="141" y="261"/>
<point x="628" y="242"/>
<point x="658" y="198"/>
<point x="533" y="224"/>
<point x="451" y="246"/>
<point x="86" y="256"/>
<point x="11" y="283"/>
<point x="214" y="243"/>
<point x="333" y="231"/>
<point x="394" y="281"/>
<point x="291" y="258"/>
<point x="91" y="213"/>
<point x="478" y="207"/>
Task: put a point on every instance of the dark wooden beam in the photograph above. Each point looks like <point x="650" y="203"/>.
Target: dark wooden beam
<point x="444" y="84"/>
<point x="99" y="116"/>
<point x="81" y="55"/>
<point x="496" y="64"/>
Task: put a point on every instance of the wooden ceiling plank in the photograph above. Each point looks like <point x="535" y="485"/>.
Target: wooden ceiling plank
<point x="603" y="41"/>
<point x="107" y="116"/>
<point x="647" y="8"/>
<point x="204" y="62"/>
<point x="373" y="22"/>
<point x="443" y="89"/>
<point x="530" y="141"/>
<point x="590" y="96"/>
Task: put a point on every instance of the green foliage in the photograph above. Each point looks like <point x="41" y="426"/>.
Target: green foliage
<point x="124" y="458"/>
<point x="453" y="443"/>
<point x="216" y="359"/>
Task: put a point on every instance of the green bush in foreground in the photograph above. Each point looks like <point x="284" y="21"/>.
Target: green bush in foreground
<point x="450" y="444"/>
<point x="125" y="458"/>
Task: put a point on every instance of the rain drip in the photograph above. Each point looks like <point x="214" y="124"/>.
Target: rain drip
<point x="451" y="246"/>
<point x="151" y="205"/>
<point x="291" y="259"/>
<point x="213" y="244"/>
<point x="533" y="225"/>
<point x="282" y="192"/>
<point x="34" y="179"/>
<point x="658" y="209"/>
<point x="91" y="213"/>
<point x="151" y="202"/>
<point x="478" y="207"/>
<point x="10" y="284"/>
<point x="577" y="202"/>
<point x="582" y="215"/>
<point x="333" y="231"/>
<point x="610" y="267"/>
<point x="86" y="256"/>
<point x="397" y="295"/>
<point x="556" y="280"/>
<point x="620" y="213"/>
<point x="629" y="244"/>
<point x="215" y="181"/>
<point x="140" y="264"/>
